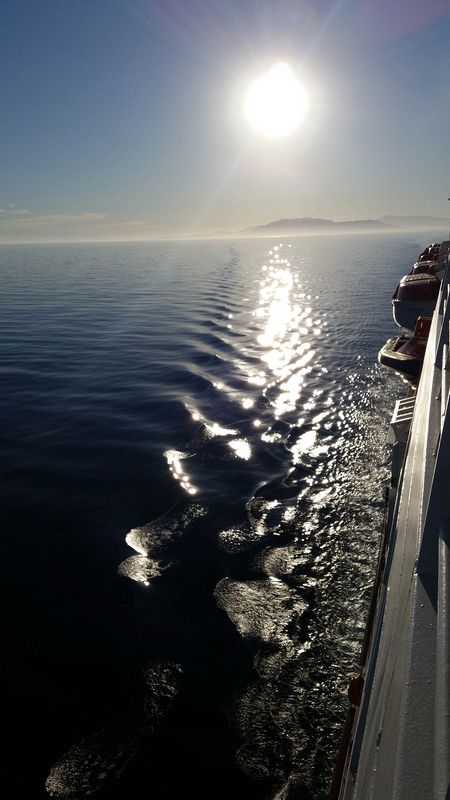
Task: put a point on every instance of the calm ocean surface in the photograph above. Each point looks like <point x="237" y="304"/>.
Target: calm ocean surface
<point x="193" y="463"/>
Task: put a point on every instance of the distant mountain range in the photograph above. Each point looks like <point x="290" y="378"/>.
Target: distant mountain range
<point x="314" y="224"/>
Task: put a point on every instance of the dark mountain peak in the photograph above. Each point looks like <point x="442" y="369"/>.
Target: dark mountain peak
<point x="310" y="224"/>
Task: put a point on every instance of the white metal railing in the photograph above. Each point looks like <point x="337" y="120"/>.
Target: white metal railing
<point x="442" y="697"/>
<point x="442" y="346"/>
<point x="399" y="730"/>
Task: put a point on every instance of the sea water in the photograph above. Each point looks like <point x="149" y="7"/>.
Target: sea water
<point x="193" y="465"/>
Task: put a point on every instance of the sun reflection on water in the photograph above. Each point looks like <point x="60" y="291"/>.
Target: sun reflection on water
<point x="289" y="330"/>
<point x="272" y="363"/>
<point x="291" y="436"/>
<point x="174" y="459"/>
<point x="242" y="448"/>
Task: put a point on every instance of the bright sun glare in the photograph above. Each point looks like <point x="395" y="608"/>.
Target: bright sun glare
<point x="276" y="103"/>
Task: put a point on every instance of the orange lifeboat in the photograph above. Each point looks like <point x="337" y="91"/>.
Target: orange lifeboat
<point x="405" y="354"/>
<point x="414" y="297"/>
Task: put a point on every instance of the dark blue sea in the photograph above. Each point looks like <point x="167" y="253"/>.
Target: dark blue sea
<point x="194" y="456"/>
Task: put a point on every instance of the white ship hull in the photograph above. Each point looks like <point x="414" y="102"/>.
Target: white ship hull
<point x="399" y="742"/>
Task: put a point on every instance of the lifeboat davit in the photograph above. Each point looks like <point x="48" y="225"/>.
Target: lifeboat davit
<point x="405" y="354"/>
<point x="414" y="297"/>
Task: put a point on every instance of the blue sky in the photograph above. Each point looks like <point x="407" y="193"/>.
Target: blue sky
<point x="122" y="119"/>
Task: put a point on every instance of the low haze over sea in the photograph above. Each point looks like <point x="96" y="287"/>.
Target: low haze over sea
<point x="194" y="459"/>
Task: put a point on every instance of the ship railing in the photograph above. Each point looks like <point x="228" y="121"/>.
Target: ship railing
<point x="442" y="347"/>
<point x="432" y="567"/>
<point x="434" y="555"/>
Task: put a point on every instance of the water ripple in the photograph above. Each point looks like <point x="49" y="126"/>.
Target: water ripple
<point x="242" y="374"/>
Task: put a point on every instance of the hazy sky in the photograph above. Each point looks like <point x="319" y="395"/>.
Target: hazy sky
<point x="124" y="119"/>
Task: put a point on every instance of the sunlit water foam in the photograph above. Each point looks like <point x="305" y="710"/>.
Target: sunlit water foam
<point x="264" y="366"/>
<point x="152" y="541"/>
<point x="308" y="615"/>
<point x="310" y="535"/>
<point x="263" y="610"/>
<point x="90" y="765"/>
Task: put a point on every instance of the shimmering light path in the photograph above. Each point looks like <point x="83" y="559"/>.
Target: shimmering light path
<point x="195" y="451"/>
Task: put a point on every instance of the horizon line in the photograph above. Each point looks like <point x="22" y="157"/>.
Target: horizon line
<point x="389" y="230"/>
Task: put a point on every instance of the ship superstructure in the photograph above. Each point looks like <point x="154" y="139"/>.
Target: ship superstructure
<point x="398" y="731"/>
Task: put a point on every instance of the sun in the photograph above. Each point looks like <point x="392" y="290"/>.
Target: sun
<point x="276" y="103"/>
